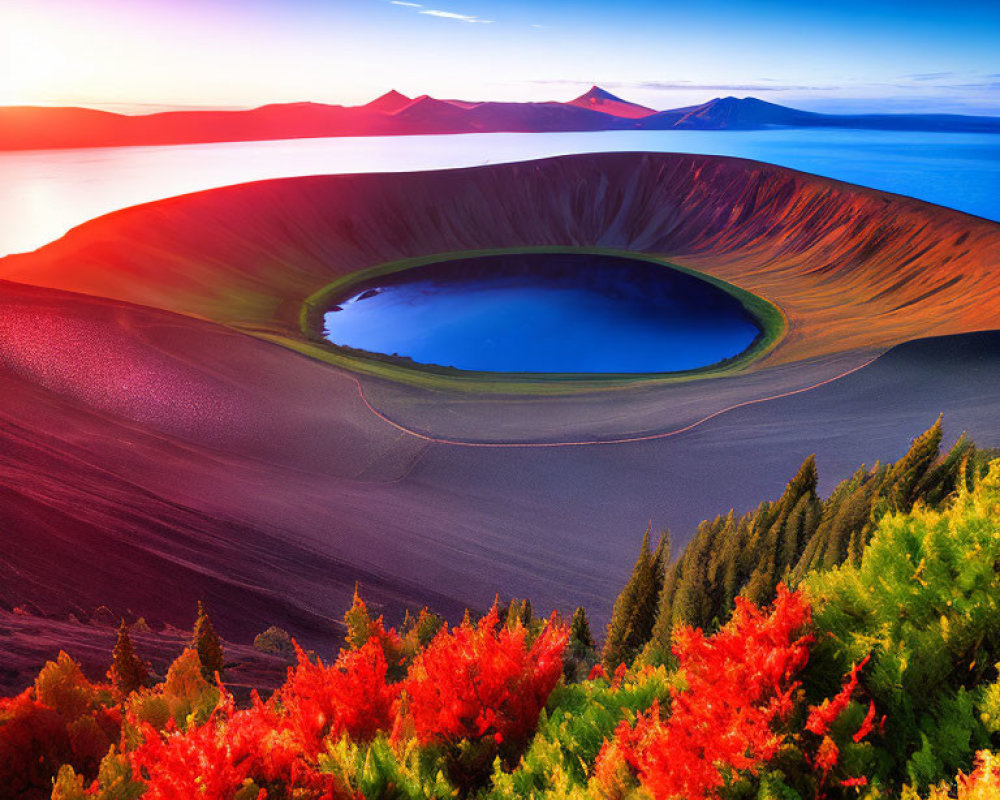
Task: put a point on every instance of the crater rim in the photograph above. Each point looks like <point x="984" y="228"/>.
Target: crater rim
<point x="769" y="317"/>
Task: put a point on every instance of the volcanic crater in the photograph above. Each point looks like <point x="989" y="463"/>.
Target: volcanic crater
<point x="171" y="409"/>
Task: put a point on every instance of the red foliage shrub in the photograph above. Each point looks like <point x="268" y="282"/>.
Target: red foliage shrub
<point x="350" y="697"/>
<point x="822" y="717"/>
<point x="620" y="672"/>
<point x="740" y="684"/>
<point x="62" y="719"/>
<point x="484" y="681"/>
<point x="33" y="743"/>
<point x="236" y="754"/>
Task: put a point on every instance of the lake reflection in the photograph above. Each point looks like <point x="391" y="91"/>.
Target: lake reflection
<point x="45" y="193"/>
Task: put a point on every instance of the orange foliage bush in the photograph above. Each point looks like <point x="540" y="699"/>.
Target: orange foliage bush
<point x="246" y="755"/>
<point x="350" y="697"/>
<point x="484" y="681"/>
<point x="62" y="719"/>
<point x="740" y="684"/>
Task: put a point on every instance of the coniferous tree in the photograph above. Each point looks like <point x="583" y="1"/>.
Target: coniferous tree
<point x="691" y="603"/>
<point x="128" y="673"/>
<point x="848" y="509"/>
<point x="650" y="596"/>
<point x="658" y="647"/>
<point x="730" y="576"/>
<point x="517" y="611"/>
<point x="949" y="473"/>
<point x="207" y="644"/>
<point x="785" y="540"/>
<point x="906" y="476"/>
<point x="579" y="630"/>
<point x="634" y="612"/>
<point x="423" y="627"/>
<point x="620" y="628"/>
<point x="358" y="620"/>
<point x="581" y="653"/>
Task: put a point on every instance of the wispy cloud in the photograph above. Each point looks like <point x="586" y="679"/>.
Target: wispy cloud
<point x="948" y="81"/>
<point x="765" y="85"/>
<point x="989" y="86"/>
<point x="435" y="12"/>
<point x="929" y="76"/>
<point x="430" y="12"/>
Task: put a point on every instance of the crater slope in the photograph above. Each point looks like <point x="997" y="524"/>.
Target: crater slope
<point x="855" y="271"/>
<point x="164" y="423"/>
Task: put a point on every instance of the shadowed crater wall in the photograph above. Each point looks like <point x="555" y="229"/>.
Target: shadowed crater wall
<point x="854" y="270"/>
<point x="153" y="426"/>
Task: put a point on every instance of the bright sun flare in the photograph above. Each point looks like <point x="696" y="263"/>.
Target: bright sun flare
<point x="30" y="61"/>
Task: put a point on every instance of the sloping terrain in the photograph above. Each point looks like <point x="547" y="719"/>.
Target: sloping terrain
<point x="599" y="99"/>
<point x="394" y="114"/>
<point x="852" y="268"/>
<point x="163" y="441"/>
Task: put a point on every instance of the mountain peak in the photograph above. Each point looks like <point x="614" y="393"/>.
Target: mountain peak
<point x="595" y="92"/>
<point x="600" y="99"/>
<point x="739" y="113"/>
<point x="389" y="102"/>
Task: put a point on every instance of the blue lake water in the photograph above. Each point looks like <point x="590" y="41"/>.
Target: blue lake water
<point x="563" y="313"/>
<point x="45" y="193"/>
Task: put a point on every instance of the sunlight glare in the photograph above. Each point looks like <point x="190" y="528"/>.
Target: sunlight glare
<point x="31" y="59"/>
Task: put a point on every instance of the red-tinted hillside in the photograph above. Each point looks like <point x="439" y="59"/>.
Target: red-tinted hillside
<point x="389" y="102"/>
<point x="158" y="427"/>
<point x="597" y="99"/>
<point x="393" y="114"/>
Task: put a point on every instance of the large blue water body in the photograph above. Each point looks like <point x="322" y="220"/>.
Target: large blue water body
<point x="561" y="313"/>
<point x="45" y="193"/>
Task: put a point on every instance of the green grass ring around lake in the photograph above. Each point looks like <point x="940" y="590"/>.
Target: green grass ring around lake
<point x="769" y="317"/>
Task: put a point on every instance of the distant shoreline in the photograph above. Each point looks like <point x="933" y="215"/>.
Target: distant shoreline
<point x="394" y="114"/>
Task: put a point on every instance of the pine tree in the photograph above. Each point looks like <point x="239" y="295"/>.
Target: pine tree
<point x="517" y="611"/>
<point x="798" y="516"/>
<point x="579" y="630"/>
<point x="692" y="600"/>
<point x="847" y="509"/>
<point x="659" y="643"/>
<point x="208" y="645"/>
<point x="649" y="596"/>
<point x="797" y="534"/>
<point x="634" y="613"/>
<point x="946" y="477"/>
<point x="128" y="673"/>
<point x="359" y="622"/>
<point x="907" y="474"/>
<point x="423" y="627"/>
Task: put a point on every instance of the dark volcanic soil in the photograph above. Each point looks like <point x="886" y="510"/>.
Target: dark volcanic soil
<point x="155" y="450"/>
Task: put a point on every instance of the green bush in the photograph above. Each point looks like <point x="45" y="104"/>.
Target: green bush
<point x="570" y="734"/>
<point x="925" y="603"/>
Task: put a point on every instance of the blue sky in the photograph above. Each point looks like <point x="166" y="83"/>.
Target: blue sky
<point x="833" y="56"/>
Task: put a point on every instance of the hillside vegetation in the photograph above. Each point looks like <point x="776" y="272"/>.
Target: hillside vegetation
<point x="815" y="648"/>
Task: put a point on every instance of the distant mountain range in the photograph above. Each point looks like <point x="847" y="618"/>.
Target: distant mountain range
<point x="37" y="127"/>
